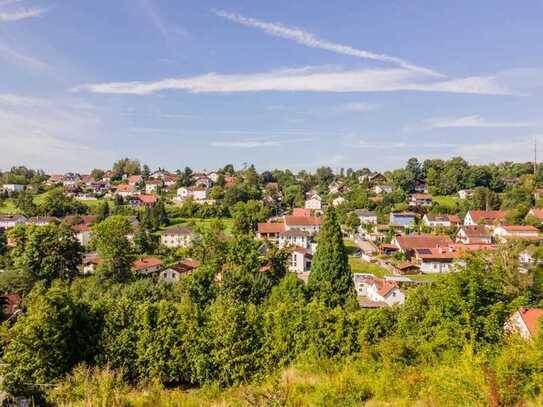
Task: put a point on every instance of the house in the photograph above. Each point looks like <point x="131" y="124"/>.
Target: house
<point x="382" y="189"/>
<point x="388" y="292"/>
<point x="269" y="230"/>
<point x="309" y="224"/>
<point x="361" y="282"/>
<point x="90" y="263"/>
<point x="13" y="188"/>
<point x="388" y="249"/>
<point x="420" y="187"/>
<point x="170" y="180"/>
<point x="54" y="179"/>
<point x="300" y="260"/>
<point x="42" y="220"/>
<point x="526" y="322"/>
<point x="465" y="193"/>
<point x="198" y="193"/>
<point x="213" y="176"/>
<point x="437" y="259"/>
<point x="538" y="193"/>
<point x="126" y="190"/>
<point x="294" y="237"/>
<point x="409" y="243"/>
<point x="177" y="236"/>
<point x="302" y="212"/>
<point x="366" y="217"/>
<point x="82" y="233"/>
<point x="445" y="221"/>
<point x="406" y="267"/>
<point x="536" y="213"/>
<point x="528" y="256"/>
<point x="525" y="232"/>
<point x="153" y="186"/>
<point x="473" y="234"/>
<point x="484" y="217"/>
<point x="402" y="219"/>
<point x="338" y="201"/>
<point x="368" y="249"/>
<point x="142" y="200"/>
<point x="147" y="265"/>
<point x="203" y="182"/>
<point x="134" y="180"/>
<point x="314" y="202"/>
<point x="10" y="221"/>
<point x="418" y="200"/>
<point x="372" y="177"/>
<point x="176" y="272"/>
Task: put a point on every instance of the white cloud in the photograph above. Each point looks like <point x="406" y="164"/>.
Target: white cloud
<point x="258" y="143"/>
<point x="357" y="107"/>
<point x="474" y="121"/>
<point x="21" y="14"/>
<point x="9" y="55"/>
<point x="306" y="38"/>
<point x="307" y="79"/>
<point x="48" y="134"/>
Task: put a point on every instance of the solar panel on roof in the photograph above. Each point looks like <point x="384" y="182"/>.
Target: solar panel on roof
<point x="424" y="251"/>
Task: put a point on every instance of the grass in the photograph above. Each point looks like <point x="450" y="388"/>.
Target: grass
<point x="228" y="222"/>
<point x="447" y="201"/>
<point x="360" y="266"/>
<point x="8" y="207"/>
<point x="427" y="277"/>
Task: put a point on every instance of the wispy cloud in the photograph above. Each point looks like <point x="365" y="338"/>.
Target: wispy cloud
<point x="20" y="13"/>
<point x="474" y="121"/>
<point x="308" y="39"/>
<point x="357" y="107"/>
<point x="258" y="143"/>
<point x="10" y="55"/>
<point x="307" y="79"/>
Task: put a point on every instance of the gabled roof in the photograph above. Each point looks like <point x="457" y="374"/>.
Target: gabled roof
<point x="475" y="231"/>
<point x="520" y="228"/>
<point x="537" y="212"/>
<point x="421" y="196"/>
<point x="178" y="230"/>
<point x="269" y="227"/>
<point x="294" y="233"/>
<point x="531" y="317"/>
<point x="142" y="264"/>
<point x="125" y="188"/>
<point x="12" y="218"/>
<point x="185" y="266"/>
<point x="302" y="220"/>
<point x="411" y="242"/>
<point x="486" y="216"/>
<point x="42" y="219"/>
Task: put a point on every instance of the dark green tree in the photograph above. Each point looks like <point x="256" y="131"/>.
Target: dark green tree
<point x="331" y="279"/>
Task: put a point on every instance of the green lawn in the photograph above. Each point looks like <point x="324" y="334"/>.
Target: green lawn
<point x="8" y="207"/>
<point x="359" y="266"/>
<point x="228" y="222"/>
<point x="448" y="201"/>
<point x="427" y="277"/>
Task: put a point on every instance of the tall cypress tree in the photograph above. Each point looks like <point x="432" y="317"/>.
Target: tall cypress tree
<point x="331" y="279"/>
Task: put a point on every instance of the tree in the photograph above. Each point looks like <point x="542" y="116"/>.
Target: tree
<point x="159" y="215"/>
<point x="53" y="335"/>
<point x="114" y="249"/>
<point x="247" y="215"/>
<point x="125" y="166"/>
<point x="46" y="252"/>
<point x="97" y="174"/>
<point x="25" y="203"/>
<point x="59" y="205"/>
<point x="102" y="211"/>
<point x="352" y="222"/>
<point x="331" y="279"/>
<point x="146" y="171"/>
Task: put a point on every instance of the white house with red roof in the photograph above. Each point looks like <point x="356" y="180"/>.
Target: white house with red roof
<point x="485" y="217"/>
<point x="526" y="322"/>
<point x="536" y="213"/>
<point x="147" y="265"/>
<point x="473" y="234"/>
<point x="420" y="200"/>
<point x="504" y="233"/>
<point x="126" y="190"/>
<point x="310" y="224"/>
<point x="294" y="237"/>
<point x="388" y="292"/>
<point x="436" y="220"/>
<point x="10" y="221"/>
<point x="314" y="202"/>
<point x="300" y="260"/>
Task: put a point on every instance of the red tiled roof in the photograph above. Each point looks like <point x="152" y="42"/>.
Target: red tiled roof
<point x="384" y="287"/>
<point x="271" y="227"/>
<point x="411" y="242"/>
<point x="301" y="212"/>
<point x="125" y="188"/>
<point x="474" y="231"/>
<point x="142" y="264"/>
<point x="302" y="220"/>
<point x="521" y="228"/>
<point x="487" y="215"/>
<point x="134" y="179"/>
<point x="454" y="218"/>
<point x="422" y="196"/>
<point x="531" y="317"/>
<point x="81" y="227"/>
<point x="148" y="199"/>
<point x="537" y="212"/>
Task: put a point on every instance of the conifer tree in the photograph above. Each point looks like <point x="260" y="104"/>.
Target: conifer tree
<point x="331" y="279"/>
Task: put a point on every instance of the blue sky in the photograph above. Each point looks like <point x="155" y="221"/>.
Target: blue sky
<point x="282" y="84"/>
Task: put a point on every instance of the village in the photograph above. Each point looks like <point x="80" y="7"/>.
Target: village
<point x="393" y="246"/>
